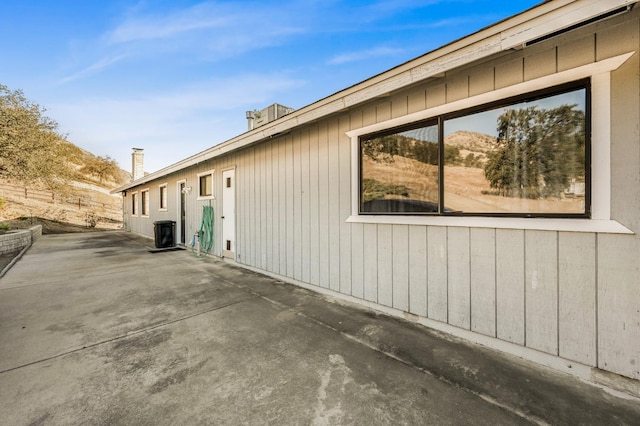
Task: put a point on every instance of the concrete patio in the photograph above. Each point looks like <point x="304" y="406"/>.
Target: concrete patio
<point x="96" y="329"/>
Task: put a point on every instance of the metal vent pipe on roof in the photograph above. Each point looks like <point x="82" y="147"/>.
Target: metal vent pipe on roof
<point x="251" y="116"/>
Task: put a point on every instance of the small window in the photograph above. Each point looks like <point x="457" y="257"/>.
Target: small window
<point x="163" y="197"/>
<point x="134" y="204"/>
<point x="144" y="198"/>
<point x="205" y="185"/>
<point x="526" y="156"/>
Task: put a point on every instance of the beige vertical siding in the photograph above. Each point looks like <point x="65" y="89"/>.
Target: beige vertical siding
<point x="437" y="280"/>
<point x="344" y="182"/>
<point x="282" y="205"/>
<point x="357" y="242"/>
<point x="370" y="255"/>
<point x="618" y="307"/>
<point x="436" y="95"/>
<point x="384" y="264"/>
<point x="509" y="73"/>
<point x="400" y="266"/>
<point x="577" y="297"/>
<point x="357" y="260"/>
<point x="267" y="244"/>
<point x="459" y="277"/>
<point x="314" y="206"/>
<point x="577" y="52"/>
<point x="510" y="286"/>
<point x="333" y="202"/>
<point x="483" y="281"/>
<point x="417" y="258"/>
<point x="569" y="294"/>
<point x="540" y="64"/>
<point x="305" y="177"/>
<point x="541" y="290"/>
<point x="457" y="87"/>
<point x="481" y="81"/>
<point x="261" y="207"/>
<point x="416" y="100"/>
<point x="290" y="204"/>
<point x="323" y="206"/>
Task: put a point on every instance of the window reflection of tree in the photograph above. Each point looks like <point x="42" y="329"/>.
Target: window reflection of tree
<point x="538" y="152"/>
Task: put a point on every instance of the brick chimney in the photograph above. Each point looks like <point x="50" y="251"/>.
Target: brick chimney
<point x="137" y="163"/>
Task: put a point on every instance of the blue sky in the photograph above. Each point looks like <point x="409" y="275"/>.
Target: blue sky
<point x="176" y="77"/>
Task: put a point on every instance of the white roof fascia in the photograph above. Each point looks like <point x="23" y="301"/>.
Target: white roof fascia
<point x="511" y="33"/>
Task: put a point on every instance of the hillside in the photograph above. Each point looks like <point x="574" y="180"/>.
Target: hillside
<point x="83" y="201"/>
<point x="474" y="143"/>
<point x="466" y="189"/>
<point x="43" y="175"/>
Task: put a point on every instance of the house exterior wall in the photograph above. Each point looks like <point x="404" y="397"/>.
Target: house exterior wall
<point x="572" y="295"/>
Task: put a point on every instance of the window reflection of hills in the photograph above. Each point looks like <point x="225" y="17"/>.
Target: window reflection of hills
<point x="525" y="158"/>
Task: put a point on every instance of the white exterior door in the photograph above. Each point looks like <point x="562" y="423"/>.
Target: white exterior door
<point x="229" y="214"/>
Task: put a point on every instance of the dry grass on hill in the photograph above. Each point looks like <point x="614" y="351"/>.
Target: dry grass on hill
<point x="466" y="188"/>
<point x="84" y="207"/>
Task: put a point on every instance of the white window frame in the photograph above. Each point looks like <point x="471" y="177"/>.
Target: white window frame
<point x="144" y="202"/>
<point x="135" y="208"/>
<point x="166" y="197"/>
<point x="206" y="197"/>
<point x="600" y="221"/>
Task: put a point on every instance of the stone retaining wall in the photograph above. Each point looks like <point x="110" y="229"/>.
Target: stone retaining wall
<point x="17" y="240"/>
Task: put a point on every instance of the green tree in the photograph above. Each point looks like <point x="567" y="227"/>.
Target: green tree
<point x="385" y="148"/>
<point x="452" y="155"/>
<point x="537" y="152"/>
<point x="373" y="189"/>
<point x="30" y="146"/>
<point x="381" y="149"/>
<point x="102" y="168"/>
<point x="426" y="152"/>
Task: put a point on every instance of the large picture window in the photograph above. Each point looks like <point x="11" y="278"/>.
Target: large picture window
<point x="524" y="156"/>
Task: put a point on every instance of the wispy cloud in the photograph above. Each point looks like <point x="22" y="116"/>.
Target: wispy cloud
<point x="207" y="31"/>
<point x="208" y="20"/>
<point x="385" y="7"/>
<point x="94" y="68"/>
<point x="364" y="54"/>
<point x="216" y="30"/>
<point x="204" y="16"/>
